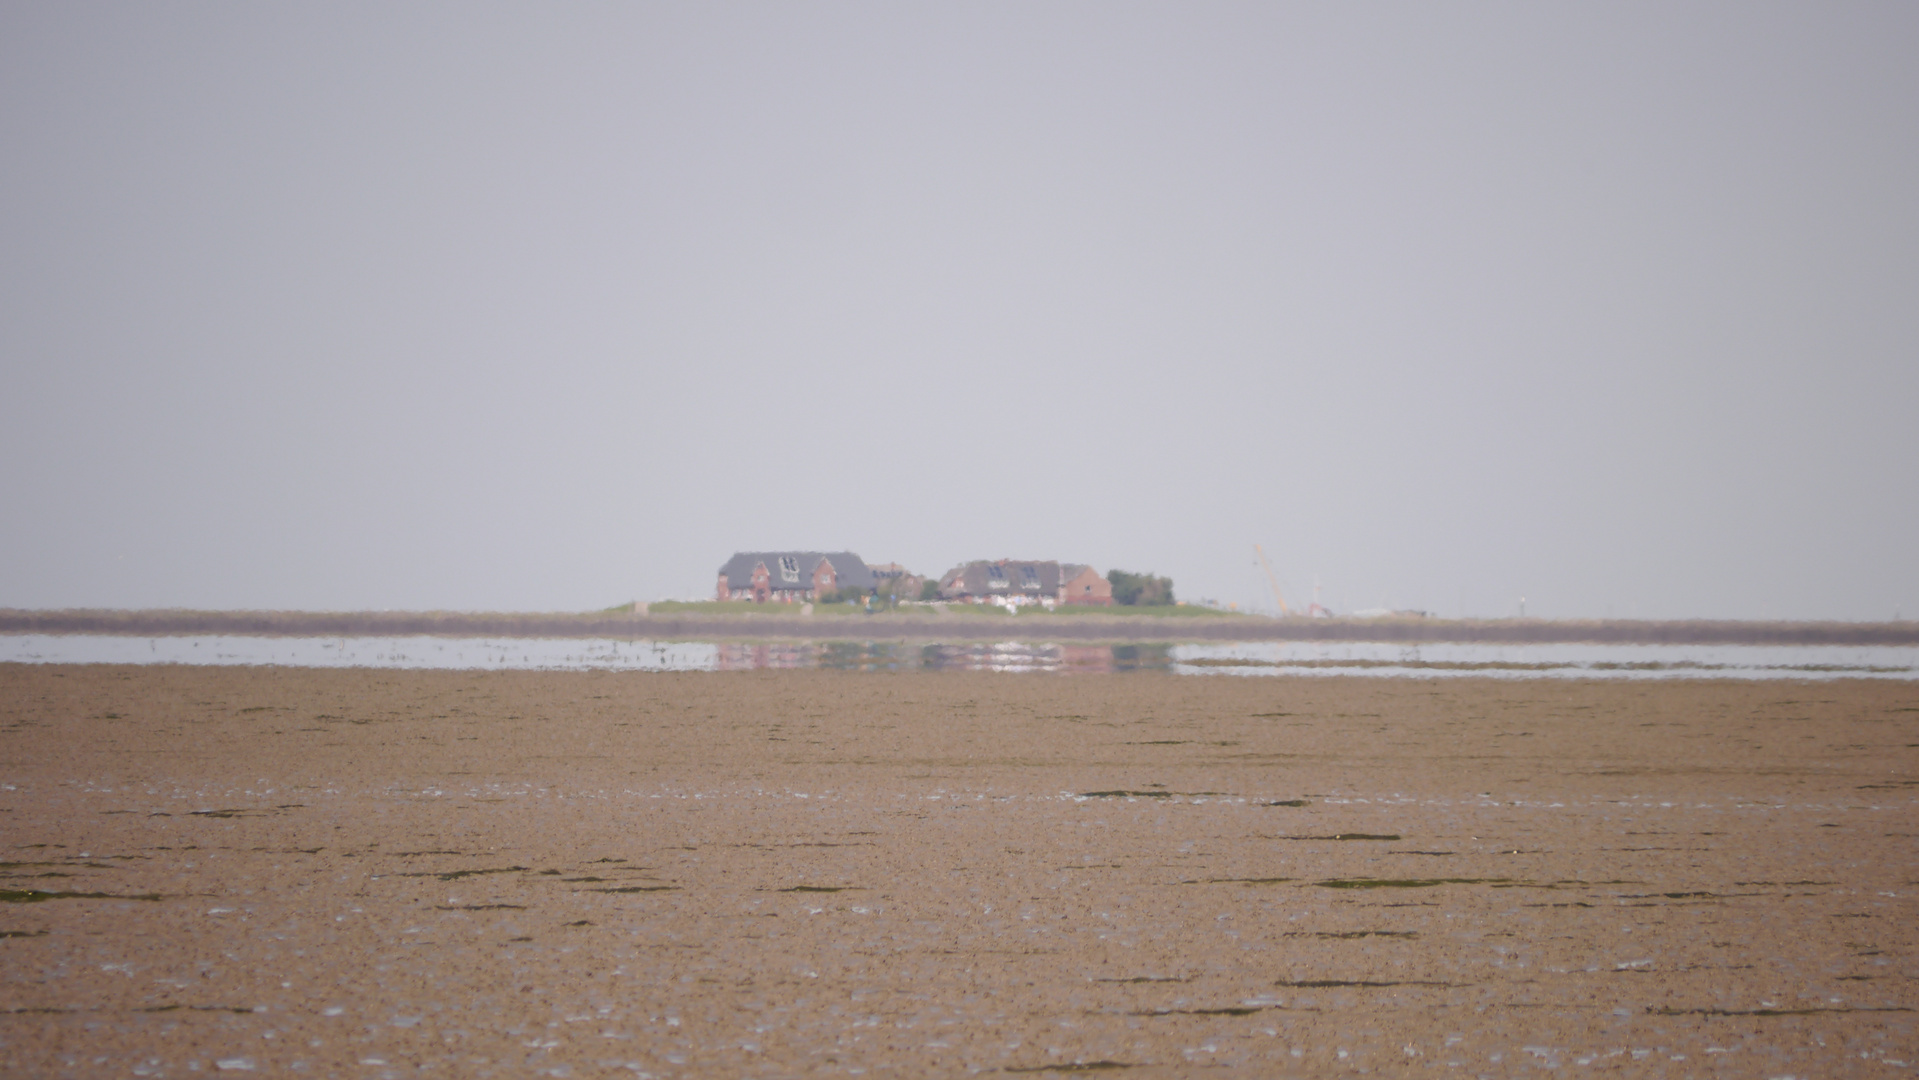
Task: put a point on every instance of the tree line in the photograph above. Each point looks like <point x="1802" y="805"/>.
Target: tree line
<point x="1140" y="590"/>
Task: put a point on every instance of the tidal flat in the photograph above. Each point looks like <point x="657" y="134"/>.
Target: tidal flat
<point x="377" y="873"/>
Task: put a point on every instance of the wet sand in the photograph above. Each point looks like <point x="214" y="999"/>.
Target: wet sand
<point x="368" y="874"/>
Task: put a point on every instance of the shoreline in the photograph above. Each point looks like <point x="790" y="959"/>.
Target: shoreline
<point x="951" y="627"/>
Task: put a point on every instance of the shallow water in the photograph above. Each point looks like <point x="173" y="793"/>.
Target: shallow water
<point x="1557" y="660"/>
<point x="1372" y="659"/>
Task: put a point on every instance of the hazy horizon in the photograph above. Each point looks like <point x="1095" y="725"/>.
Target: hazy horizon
<point x="493" y="308"/>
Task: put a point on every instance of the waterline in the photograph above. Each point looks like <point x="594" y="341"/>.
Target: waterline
<point x="1363" y="659"/>
<point x="1556" y="660"/>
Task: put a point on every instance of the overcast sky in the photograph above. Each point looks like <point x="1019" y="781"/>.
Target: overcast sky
<point x="1612" y="307"/>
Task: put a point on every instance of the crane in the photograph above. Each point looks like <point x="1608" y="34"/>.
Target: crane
<point x="1272" y="579"/>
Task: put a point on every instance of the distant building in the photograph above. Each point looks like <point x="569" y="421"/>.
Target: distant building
<point x="897" y="580"/>
<point x="1084" y="585"/>
<point x="788" y="577"/>
<point x="1006" y="581"/>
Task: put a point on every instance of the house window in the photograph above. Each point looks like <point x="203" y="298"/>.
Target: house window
<point x="1029" y="577"/>
<point x="996" y="578"/>
<point x="789" y="568"/>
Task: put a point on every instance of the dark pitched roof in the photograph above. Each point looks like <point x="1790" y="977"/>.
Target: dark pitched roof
<point x="847" y="567"/>
<point x="1004" y="577"/>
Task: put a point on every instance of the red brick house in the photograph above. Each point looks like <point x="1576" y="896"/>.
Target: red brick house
<point x="788" y="577"/>
<point x="1015" y="580"/>
<point x="1026" y="582"/>
<point x="1084" y="585"/>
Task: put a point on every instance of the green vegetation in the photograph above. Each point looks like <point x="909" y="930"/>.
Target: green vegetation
<point x="930" y="589"/>
<point x="745" y="607"/>
<point x="1140" y="590"/>
<point x="715" y="607"/>
<point x="836" y="607"/>
<point x="848" y="595"/>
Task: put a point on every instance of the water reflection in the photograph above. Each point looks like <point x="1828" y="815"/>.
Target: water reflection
<point x="1010" y="656"/>
<point x="1237" y="658"/>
